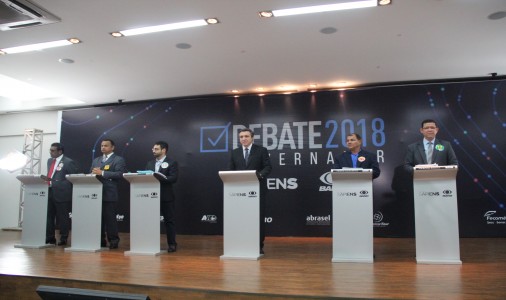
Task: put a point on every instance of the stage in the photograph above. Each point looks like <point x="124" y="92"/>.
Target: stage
<point x="292" y="268"/>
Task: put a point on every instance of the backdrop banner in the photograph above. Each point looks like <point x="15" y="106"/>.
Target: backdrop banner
<point x="304" y="132"/>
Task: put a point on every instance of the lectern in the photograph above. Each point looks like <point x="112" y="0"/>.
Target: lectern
<point x="86" y="212"/>
<point x="144" y="213"/>
<point x="241" y="215"/>
<point x="34" y="212"/>
<point x="436" y="215"/>
<point x="352" y="215"/>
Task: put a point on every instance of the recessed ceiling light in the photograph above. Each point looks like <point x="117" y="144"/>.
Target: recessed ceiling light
<point x="266" y="14"/>
<point x="116" y="34"/>
<point x="212" y="21"/>
<point x="40" y="46"/>
<point x="384" y="2"/>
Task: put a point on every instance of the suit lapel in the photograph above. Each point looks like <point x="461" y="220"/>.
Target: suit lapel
<point x="421" y="152"/>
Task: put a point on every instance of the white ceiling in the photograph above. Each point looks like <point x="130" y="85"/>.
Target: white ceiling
<point x="408" y="40"/>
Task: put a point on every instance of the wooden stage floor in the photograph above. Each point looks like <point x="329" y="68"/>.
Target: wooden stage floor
<point x="292" y="268"/>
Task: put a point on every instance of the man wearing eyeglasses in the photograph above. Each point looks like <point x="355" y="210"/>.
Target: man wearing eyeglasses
<point x="430" y="150"/>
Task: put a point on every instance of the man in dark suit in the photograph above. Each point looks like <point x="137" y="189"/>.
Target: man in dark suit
<point x="253" y="157"/>
<point x="430" y="150"/>
<point x="168" y="167"/>
<point x="60" y="194"/>
<point x="356" y="157"/>
<point x="109" y="169"/>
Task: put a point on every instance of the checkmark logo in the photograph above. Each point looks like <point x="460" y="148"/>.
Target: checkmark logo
<point x="214" y="138"/>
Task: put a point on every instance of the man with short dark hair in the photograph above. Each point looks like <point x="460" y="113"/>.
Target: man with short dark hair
<point x="109" y="169"/>
<point x="356" y="157"/>
<point x="59" y="193"/>
<point x="169" y="168"/>
<point x="253" y="157"/>
<point x="430" y="150"/>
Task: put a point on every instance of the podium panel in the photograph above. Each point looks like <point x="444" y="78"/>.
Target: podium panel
<point x="241" y="215"/>
<point x="86" y="212"/>
<point x="436" y="215"/>
<point x="144" y="214"/>
<point x="35" y="195"/>
<point x="352" y="215"/>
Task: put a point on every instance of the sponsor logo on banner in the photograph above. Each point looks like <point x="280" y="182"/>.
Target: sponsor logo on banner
<point x="377" y="218"/>
<point x="326" y="178"/>
<point x="429" y="194"/>
<point x="447" y="193"/>
<point x="41" y="193"/>
<point x="162" y="219"/>
<point x="120" y="218"/>
<point x="209" y="219"/>
<point x="318" y="220"/>
<point x="237" y="194"/>
<point x="364" y="193"/>
<point x="268" y="220"/>
<point x="282" y="183"/>
<point x="492" y="219"/>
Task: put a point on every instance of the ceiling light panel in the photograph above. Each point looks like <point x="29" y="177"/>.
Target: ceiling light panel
<point x="324" y="8"/>
<point x="166" y="27"/>
<point x="40" y="46"/>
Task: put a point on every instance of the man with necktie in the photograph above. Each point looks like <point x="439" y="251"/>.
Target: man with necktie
<point x="356" y="157"/>
<point x="430" y="150"/>
<point x="169" y="168"/>
<point x="109" y="169"/>
<point x="253" y="157"/>
<point x="59" y="193"/>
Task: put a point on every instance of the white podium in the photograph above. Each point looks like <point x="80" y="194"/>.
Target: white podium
<point x="436" y="215"/>
<point x="35" y="195"/>
<point x="352" y="215"/>
<point x="86" y="213"/>
<point x="241" y="215"/>
<point x="144" y="214"/>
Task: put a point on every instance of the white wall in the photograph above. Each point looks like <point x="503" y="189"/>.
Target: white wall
<point x="12" y="128"/>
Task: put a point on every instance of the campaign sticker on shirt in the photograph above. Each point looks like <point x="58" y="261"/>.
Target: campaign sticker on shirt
<point x="60" y="166"/>
<point x="106" y="167"/>
<point x="439" y="147"/>
<point x="165" y="165"/>
<point x="361" y="159"/>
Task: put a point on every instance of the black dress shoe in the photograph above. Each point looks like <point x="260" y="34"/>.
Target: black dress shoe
<point x="62" y="243"/>
<point x="51" y="241"/>
<point x="113" y="244"/>
<point x="172" y="248"/>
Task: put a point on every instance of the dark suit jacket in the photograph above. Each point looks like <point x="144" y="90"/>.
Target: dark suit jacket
<point x="370" y="162"/>
<point x="171" y="172"/>
<point x="114" y="168"/>
<point x="443" y="154"/>
<point x="259" y="161"/>
<point x="62" y="188"/>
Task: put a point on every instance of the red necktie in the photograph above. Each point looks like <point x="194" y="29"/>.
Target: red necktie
<point x="51" y="169"/>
